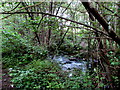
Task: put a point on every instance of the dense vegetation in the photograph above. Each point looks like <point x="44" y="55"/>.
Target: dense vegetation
<point x="32" y="32"/>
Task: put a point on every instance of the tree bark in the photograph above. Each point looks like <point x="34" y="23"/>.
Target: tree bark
<point x="102" y="21"/>
<point x="104" y="62"/>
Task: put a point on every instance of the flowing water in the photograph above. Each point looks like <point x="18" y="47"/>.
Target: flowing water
<point x="68" y="64"/>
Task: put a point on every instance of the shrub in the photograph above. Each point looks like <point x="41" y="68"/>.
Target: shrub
<point x="19" y="51"/>
<point x="37" y="74"/>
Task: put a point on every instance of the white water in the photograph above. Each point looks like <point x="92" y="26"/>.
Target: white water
<point x="66" y="64"/>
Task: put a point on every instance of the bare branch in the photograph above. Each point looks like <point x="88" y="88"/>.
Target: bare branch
<point x="72" y="9"/>
<point x="108" y="9"/>
<point x="53" y="16"/>
<point x="23" y="9"/>
<point x="102" y="21"/>
<point x="67" y="7"/>
<point x="58" y="8"/>
<point x="14" y="7"/>
<point x="88" y="29"/>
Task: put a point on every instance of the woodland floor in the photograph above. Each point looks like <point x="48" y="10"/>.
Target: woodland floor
<point x="6" y="84"/>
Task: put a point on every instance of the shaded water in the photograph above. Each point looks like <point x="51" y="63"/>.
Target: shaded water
<point x="67" y="64"/>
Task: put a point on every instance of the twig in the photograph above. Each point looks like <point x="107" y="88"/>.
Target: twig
<point x="66" y="7"/>
<point x="108" y="9"/>
<point x="58" y="8"/>
<point x="14" y="7"/>
<point x="23" y="9"/>
<point x="88" y="29"/>
<point x="53" y="16"/>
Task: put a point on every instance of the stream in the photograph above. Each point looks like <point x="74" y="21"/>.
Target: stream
<point x="70" y="63"/>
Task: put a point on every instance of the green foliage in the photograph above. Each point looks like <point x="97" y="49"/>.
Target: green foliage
<point x="115" y="62"/>
<point x="67" y="47"/>
<point x="38" y="74"/>
<point x="46" y="74"/>
<point x="39" y="52"/>
<point x="19" y="51"/>
<point x="50" y="23"/>
<point x="25" y="79"/>
<point x="114" y="59"/>
<point x="43" y="65"/>
<point x="13" y="47"/>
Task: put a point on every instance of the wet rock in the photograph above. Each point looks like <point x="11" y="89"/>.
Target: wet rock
<point x="68" y="62"/>
<point x="72" y="59"/>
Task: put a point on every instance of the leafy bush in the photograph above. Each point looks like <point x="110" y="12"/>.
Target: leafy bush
<point x="11" y="49"/>
<point x="25" y="79"/>
<point x="115" y="62"/>
<point x="46" y="65"/>
<point x="19" y="51"/>
<point x="38" y="74"/>
<point x="39" y="52"/>
<point x="45" y="74"/>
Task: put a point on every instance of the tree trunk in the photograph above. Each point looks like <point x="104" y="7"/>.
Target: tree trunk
<point x="102" y="21"/>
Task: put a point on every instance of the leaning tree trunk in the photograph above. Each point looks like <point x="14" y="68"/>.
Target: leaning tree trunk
<point x="102" y="21"/>
<point x="104" y="59"/>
